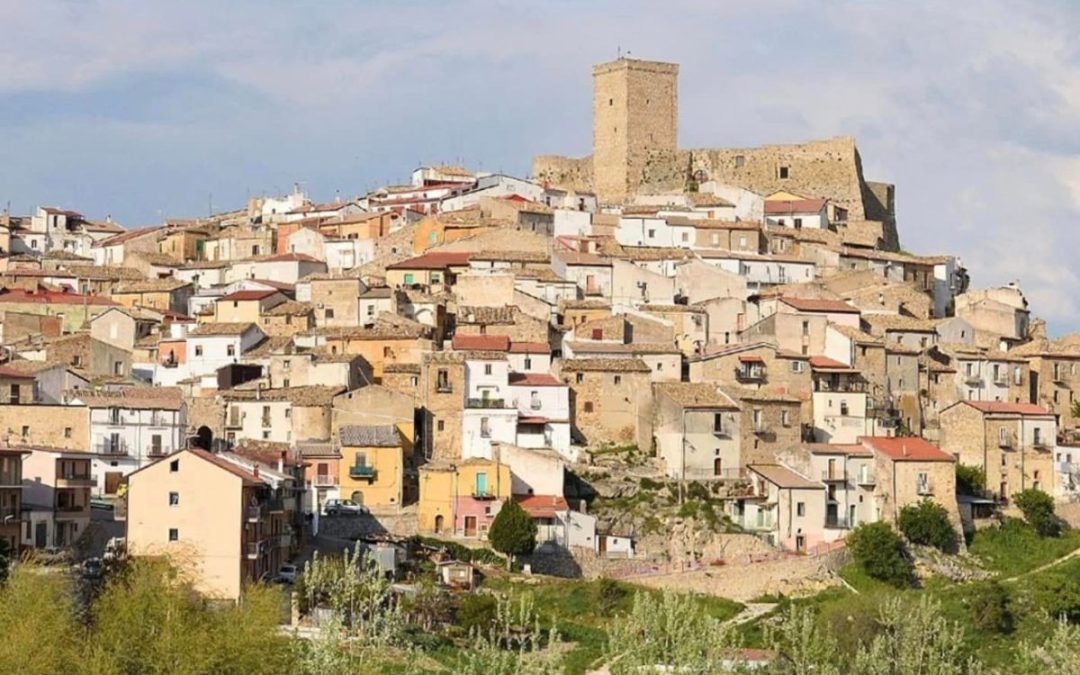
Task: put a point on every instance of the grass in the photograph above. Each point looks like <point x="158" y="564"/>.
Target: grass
<point x="1014" y="548"/>
<point x="581" y="611"/>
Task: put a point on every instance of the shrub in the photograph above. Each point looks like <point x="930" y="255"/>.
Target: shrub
<point x="647" y="483"/>
<point x="879" y="552"/>
<point x="1038" y="509"/>
<point x="990" y="608"/>
<point x="477" y="612"/>
<point x="927" y="524"/>
<point x="970" y="480"/>
<point x="608" y="594"/>
<point x="512" y="532"/>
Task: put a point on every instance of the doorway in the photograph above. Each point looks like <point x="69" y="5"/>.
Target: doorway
<point x="470" y="526"/>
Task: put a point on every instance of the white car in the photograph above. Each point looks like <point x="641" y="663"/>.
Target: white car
<point x="334" y="507"/>
<point x="287" y="574"/>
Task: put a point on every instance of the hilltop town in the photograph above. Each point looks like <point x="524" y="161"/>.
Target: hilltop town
<point x="672" y="360"/>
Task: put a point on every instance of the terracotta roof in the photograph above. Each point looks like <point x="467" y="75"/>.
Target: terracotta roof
<point x="14" y="373"/>
<point x="149" y="286"/>
<point x="127" y="236"/>
<point x="433" y="261"/>
<point x="892" y="322"/>
<point x="605" y="365"/>
<point x="906" y="449"/>
<point x="856" y="335"/>
<point x="852" y="450"/>
<point x="530" y="348"/>
<point x="487" y="343"/>
<point x="241" y="296"/>
<point x="785" y="478"/>
<point x="760" y="395"/>
<point x="585" y="347"/>
<point x="584" y="304"/>
<point x="313" y="395"/>
<point x="18" y="295"/>
<point x="542" y="506"/>
<point x="820" y="305"/>
<point x="248" y="477"/>
<point x="142" y="398"/>
<point x="513" y="256"/>
<point x="221" y="329"/>
<point x="370" y="436"/>
<point x="506" y="315"/>
<point x="782" y="207"/>
<point x="289" y="308"/>
<point x="696" y="395"/>
<point x="1009" y="408"/>
<point x="290" y="257"/>
<point x="534" y="380"/>
<point x="413" y="368"/>
<point x="825" y="363"/>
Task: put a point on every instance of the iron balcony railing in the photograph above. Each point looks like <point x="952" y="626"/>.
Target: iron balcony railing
<point x="485" y="403"/>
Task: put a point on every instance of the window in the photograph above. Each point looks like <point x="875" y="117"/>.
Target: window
<point x="617" y="379"/>
<point x="718" y="423"/>
<point x="67" y="432"/>
<point x="174" y="466"/>
<point x="25" y="431"/>
<point x="118" y="368"/>
<point x="588" y="406"/>
<point x="174" y="534"/>
<point x="286" y="364"/>
<point x="844" y="408"/>
<point x="580" y="378"/>
<point x="528" y="363"/>
<point x="1018" y="375"/>
<point x="742" y="241"/>
<point x="198" y="350"/>
<point x="798" y="223"/>
<point x="785" y="418"/>
<point x="442" y="381"/>
<point x="652" y="234"/>
<point x="739" y="161"/>
<point x="371" y="310"/>
<point x="230" y="350"/>
<point x="487" y="368"/>
<point x="410" y="279"/>
<point x="441" y="425"/>
<point x="534" y="400"/>
<point x="174" y="499"/>
<point x="758" y="418"/>
<point x="783" y="172"/>
<point x="805" y="327"/>
<point x="328" y="313"/>
<point x="76" y="361"/>
<point x="796" y="366"/>
<point x="800" y="508"/>
<point x="685" y="237"/>
<point x="155" y="443"/>
<point x="288" y="413"/>
<point x="714" y="239"/>
<point x="598" y="333"/>
<point x="1038" y="436"/>
<point x="485" y="428"/>
<point x="387" y="352"/>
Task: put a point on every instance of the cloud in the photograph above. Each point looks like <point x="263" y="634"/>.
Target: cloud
<point x="132" y="107"/>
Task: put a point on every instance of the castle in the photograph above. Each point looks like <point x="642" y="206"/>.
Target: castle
<point x="635" y="151"/>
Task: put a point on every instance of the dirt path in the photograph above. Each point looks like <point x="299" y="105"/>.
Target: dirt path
<point x="752" y="611"/>
<point x="1053" y="563"/>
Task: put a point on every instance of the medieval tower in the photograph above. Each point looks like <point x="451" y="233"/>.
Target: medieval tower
<point x="635" y="123"/>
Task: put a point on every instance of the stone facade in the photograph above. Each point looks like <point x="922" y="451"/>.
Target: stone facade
<point x="610" y="400"/>
<point x="442" y="395"/>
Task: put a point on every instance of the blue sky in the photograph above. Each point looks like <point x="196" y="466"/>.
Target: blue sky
<point x="138" y="108"/>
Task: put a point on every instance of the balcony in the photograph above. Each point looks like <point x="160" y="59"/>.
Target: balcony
<point x="254" y="549"/>
<point x="266" y="422"/>
<point x="846" y="386"/>
<point x="866" y="479"/>
<point x="117" y="449"/>
<point x="483" y="494"/>
<point x="750" y="374"/>
<point x="485" y="403"/>
<point x="837" y="523"/>
<point x="762" y="523"/>
<point x="1007" y="440"/>
<point x="362" y="471"/>
<point x="721" y="432"/>
<point x="72" y="510"/>
<point x="1001" y="381"/>
<point x="762" y="427"/>
<point x="74" y="480"/>
<point x="828" y="476"/>
<point x="444" y="388"/>
<point x="973" y="380"/>
<point x="170" y="363"/>
<point x="325" y="480"/>
<point x="275" y="505"/>
<point x="9" y="514"/>
<point x="10" y="479"/>
<point x="253" y="514"/>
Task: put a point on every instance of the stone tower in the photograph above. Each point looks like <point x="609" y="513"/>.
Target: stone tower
<point x="635" y="122"/>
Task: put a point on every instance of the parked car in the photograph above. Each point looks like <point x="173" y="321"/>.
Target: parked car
<point x="287" y="574"/>
<point x="93" y="568"/>
<point x="334" y="507"/>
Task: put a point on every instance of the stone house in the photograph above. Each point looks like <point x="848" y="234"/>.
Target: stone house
<point x="610" y="399"/>
<point x="87" y="356"/>
<point x="287" y="319"/>
<point x="430" y="269"/>
<point x="403" y="378"/>
<point x="759" y="366"/>
<point x="170" y="294"/>
<point x="509" y="321"/>
<point x="246" y="306"/>
<point x="442" y="403"/>
<point x="121" y="327"/>
<point x="908" y="470"/>
<point x="289" y="367"/>
<point x="841" y="406"/>
<point x="689" y="322"/>
<point x="335" y="300"/>
<point x="904" y="330"/>
<point x="65" y="426"/>
<point x="592" y="273"/>
<point x="1013" y="444"/>
<point x="381" y="344"/>
<point x="848" y="474"/>
<point x="783" y="506"/>
<point x="577" y="312"/>
<point x="664" y="360"/>
<point x="696" y="429"/>
<point x="768" y="424"/>
<point x="279" y="415"/>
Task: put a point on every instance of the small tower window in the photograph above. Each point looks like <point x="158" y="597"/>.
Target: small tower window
<point x="783" y="172"/>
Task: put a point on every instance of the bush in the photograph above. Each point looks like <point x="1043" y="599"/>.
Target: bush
<point x="879" y="552"/>
<point x="608" y="594"/>
<point x="927" y="524"/>
<point x="990" y="608"/>
<point x="970" y="480"/>
<point x="1038" y="509"/>
<point x="477" y="612"/>
<point x="650" y="484"/>
<point x="513" y="532"/>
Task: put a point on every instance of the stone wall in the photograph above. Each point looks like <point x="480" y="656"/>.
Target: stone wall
<point x="566" y="172"/>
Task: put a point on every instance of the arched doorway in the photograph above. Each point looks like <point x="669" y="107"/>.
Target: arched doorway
<point x="358" y="498"/>
<point x="204" y="438"/>
<point x="438" y="524"/>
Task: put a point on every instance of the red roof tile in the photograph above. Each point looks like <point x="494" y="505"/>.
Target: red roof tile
<point x="825" y="363"/>
<point x="14" y="374"/>
<point x="291" y="257"/>
<point x="542" y="506"/>
<point x="247" y="295"/>
<point x="906" y="449"/>
<point x="820" y="305"/>
<point x="1006" y="407"/>
<point x="782" y="207"/>
<point x="51" y="297"/>
<point x="535" y="380"/>
<point x="481" y="343"/>
<point x="530" y="348"/>
<point x="431" y="261"/>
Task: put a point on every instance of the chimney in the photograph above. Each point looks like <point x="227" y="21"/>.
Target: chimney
<point x="255" y="470"/>
<point x="281" y="462"/>
<point x="903" y="449"/>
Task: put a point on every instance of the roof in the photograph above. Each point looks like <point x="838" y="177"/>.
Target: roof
<point x="312" y="395"/>
<point x="819" y="305"/>
<point x="487" y="315"/>
<point x="530" y="348"/>
<point x="289" y="307"/>
<point x="781" y="207"/>
<point x="127" y="236"/>
<point x="221" y="329"/>
<point x="413" y="368"/>
<point x="240" y="296"/>
<point x="856" y="335"/>
<point x="906" y="449"/>
<point x="605" y="365"/>
<point x="14" y="373"/>
<point x="696" y="395"/>
<point x="18" y="295"/>
<point x="785" y="478"/>
<point x="852" y="450"/>
<point x="234" y="469"/>
<point x="891" y="322"/>
<point x="370" y="436"/>
<point x="434" y="260"/>
<point x="289" y="257"/>
<point x="825" y="363"/>
<point x="143" y="398"/>
<point x="483" y="343"/>
<point x="1005" y="407"/>
<point x="149" y="286"/>
<point x="620" y="348"/>
<point x="542" y="506"/>
<point x="534" y="380"/>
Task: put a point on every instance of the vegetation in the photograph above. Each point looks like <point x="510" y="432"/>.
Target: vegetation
<point x="970" y="480"/>
<point x="1014" y="547"/>
<point x="879" y="552"/>
<point x="513" y="532"/>
<point x="5" y="559"/>
<point x="990" y="608"/>
<point x="927" y="524"/>
<point x="1038" y="510"/>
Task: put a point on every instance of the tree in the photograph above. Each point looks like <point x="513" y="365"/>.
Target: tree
<point x="37" y="621"/>
<point x="927" y="524"/>
<point x="1038" y="509"/>
<point x="970" y="480"/>
<point x="1059" y="654"/>
<point x="802" y="647"/>
<point x="514" y="645"/>
<point x="513" y="532"/>
<point x="5" y="559"/>
<point x="990" y="608"/>
<point x="915" y="639"/>
<point x="880" y="553"/>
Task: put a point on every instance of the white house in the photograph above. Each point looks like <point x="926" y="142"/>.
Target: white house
<point x="797" y="213"/>
<point x="489" y="414"/>
<point x="663" y="231"/>
<point x="543" y="405"/>
<point x="213" y="345"/>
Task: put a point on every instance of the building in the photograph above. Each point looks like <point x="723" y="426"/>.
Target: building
<point x="696" y="431"/>
<point x="461" y="499"/>
<point x="11" y="496"/>
<point x="223" y="525"/>
<point x="611" y="400"/>
<point x="908" y="470"/>
<point x="56" y="496"/>
<point x="372" y="470"/>
<point x="782" y="506"/>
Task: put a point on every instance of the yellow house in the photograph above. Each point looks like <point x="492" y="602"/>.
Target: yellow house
<point x="462" y="499"/>
<point x="246" y="306"/>
<point x="372" y="466"/>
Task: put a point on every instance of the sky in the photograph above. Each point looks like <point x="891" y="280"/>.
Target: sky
<point x="141" y="109"/>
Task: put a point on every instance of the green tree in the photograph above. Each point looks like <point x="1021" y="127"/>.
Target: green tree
<point x="669" y="632"/>
<point x="477" y="613"/>
<point x="927" y="524"/>
<point x="5" y="559"/>
<point x="914" y="639"/>
<point x="879" y="551"/>
<point x="1038" y="509"/>
<point x="970" y="480"/>
<point x="990" y="608"/>
<point x="37" y="621"/>
<point x="513" y="532"/>
<point x="515" y="644"/>
<point x="802" y="647"/>
<point x="1059" y="654"/>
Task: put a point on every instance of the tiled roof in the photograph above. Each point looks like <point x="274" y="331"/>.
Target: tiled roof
<point x="669" y="309"/>
<point x="825" y="363"/>
<point x="906" y="449"/>
<point x="433" y="261"/>
<point x="374" y="436"/>
<point x="14" y="373"/>
<point x="782" y="207"/>
<point x="852" y="450"/>
<point x="695" y="395"/>
<point x="143" y="398"/>
<point x="605" y="365"/>
<point x="819" y="305"/>
<point x="534" y="380"/>
<point x="783" y="477"/>
<point x="619" y="348"/>
<point x="312" y="395"/>
<point x="487" y="315"/>
<point x="542" y="506"/>
<point x="413" y="368"/>
<point x="513" y="256"/>
<point x="241" y="296"/>
<point x="221" y="329"/>
<point x="893" y="322"/>
<point x="856" y="335"/>
<point x="1006" y="407"/>
<point x="487" y="343"/>
<point x="530" y="348"/>
<point x="584" y="304"/>
<point x="289" y="308"/>
<point x="234" y="469"/>
<point x="150" y="286"/>
<point x="127" y="236"/>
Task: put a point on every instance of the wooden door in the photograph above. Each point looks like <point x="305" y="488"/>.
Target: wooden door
<point x="112" y="481"/>
<point x="718" y="467"/>
<point x="470" y="526"/>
